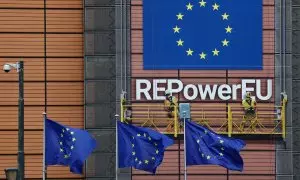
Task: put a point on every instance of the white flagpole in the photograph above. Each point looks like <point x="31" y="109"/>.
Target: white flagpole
<point x="117" y="147"/>
<point x="44" y="145"/>
<point x="185" y="169"/>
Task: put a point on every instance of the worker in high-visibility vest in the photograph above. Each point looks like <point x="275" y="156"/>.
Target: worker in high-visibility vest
<point x="170" y="103"/>
<point x="249" y="105"/>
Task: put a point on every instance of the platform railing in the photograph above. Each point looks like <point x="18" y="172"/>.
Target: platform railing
<point x="223" y="119"/>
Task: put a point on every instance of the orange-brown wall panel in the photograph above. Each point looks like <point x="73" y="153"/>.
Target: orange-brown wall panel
<point x="65" y="93"/>
<point x="33" y="118"/>
<point x="34" y="93"/>
<point x="137" y="69"/>
<point x="33" y="69"/>
<point x="70" y="69"/>
<point x="65" y="45"/>
<point x="68" y="115"/>
<point x="22" y="45"/>
<point x="21" y="3"/>
<point x="72" y="116"/>
<point x="33" y="168"/>
<point x="33" y="142"/>
<point x="64" y="3"/>
<point x="64" y="96"/>
<point x="64" y="21"/>
<point x="21" y="20"/>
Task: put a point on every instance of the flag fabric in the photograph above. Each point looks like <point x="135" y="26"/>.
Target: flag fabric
<point x="204" y="146"/>
<point x="180" y="34"/>
<point x="141" y="148"/>
<point x="67" y="146"/>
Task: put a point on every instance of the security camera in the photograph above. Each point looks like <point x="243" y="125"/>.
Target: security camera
<point x="6" y="68"/>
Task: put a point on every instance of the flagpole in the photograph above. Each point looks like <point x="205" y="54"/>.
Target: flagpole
<point x="185" y="170"/>
<point x="44" y="146"/>
<point x="117" y="153"/>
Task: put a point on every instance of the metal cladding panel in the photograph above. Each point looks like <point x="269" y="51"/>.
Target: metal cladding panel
<point x="64" y="20"/>
<point x="30" y="21"/>
<point x="259" y="155"/>
<point x="33" y="167"/>
<point x="49" y="39"/>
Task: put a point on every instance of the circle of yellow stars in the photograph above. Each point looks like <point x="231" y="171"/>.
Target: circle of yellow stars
<point x="67" y="142"/>
<point x="203" y="55"/>
<point x="138" y="160"/>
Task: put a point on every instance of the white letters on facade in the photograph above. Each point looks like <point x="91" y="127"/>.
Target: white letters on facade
<point x="145" y="89"/>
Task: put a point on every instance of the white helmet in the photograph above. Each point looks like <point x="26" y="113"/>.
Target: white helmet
<point x="167" y="92"/>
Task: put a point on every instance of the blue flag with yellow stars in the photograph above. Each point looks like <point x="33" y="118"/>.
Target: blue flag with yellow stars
<point x="67" y="146"/>
<point x="141" y="148"/>
<point x="202" y="34"/>
<point x="204" y="146"/>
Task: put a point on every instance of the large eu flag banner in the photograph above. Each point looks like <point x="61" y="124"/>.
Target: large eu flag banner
<point x="141" y="148"/>
<point x="67" y="146"/>
<point x="204" y="146"/>
<point x="202" y="34"/>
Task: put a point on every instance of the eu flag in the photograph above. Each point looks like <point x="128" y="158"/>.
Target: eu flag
<point x="67" y="146"/>
<point x="141" y="148"/>
<point x="203" y="34"/>
<point x="206" y="147"/>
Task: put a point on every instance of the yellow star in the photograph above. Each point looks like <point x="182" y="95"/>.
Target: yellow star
<point x="189" y="6"/>
<point x="72" y="132"/>
<point x="66" y="156"/>
<point x="225" y="16"/>
<point x="228" y="29"/>
<point x="153" y="158"/>
<point x="146" y="161"/>
<point x="179" y="16"/>
<point x="189" y="52"/>
<point x="60" y="143"/>
<point x="176" y="29"/>
<point x="198" y="141"/>
<point x="216" y="6"/>
<point x="221" y="154"/>
<point x="225" y="42"/>
<point x="202" y="55"/>
<point x="72" y="147"/>
<point x="136" y="159"/>
<point x="180" y="42"/>
<point x="156" y="151"/>
<point x="133" y="153"/>
<point x="73" y="139"/>
<point x="207" y="157"/>
<point x="216" y="52"/>
<point x="61" y="150"/>
<point x="138" y="135"/>
<point x="132" y="145"/>
<point x="202" y="3"/>
<point x="221" y="141"/>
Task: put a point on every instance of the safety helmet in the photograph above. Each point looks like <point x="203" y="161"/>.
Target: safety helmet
<point x="248" y="95"/>
<point x="167" y="92"/>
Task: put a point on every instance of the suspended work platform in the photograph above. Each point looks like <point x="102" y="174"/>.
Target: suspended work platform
<point x="228" y="119"/>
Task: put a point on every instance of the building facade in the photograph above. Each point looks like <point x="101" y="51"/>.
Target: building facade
<point x="80" y="55"/>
